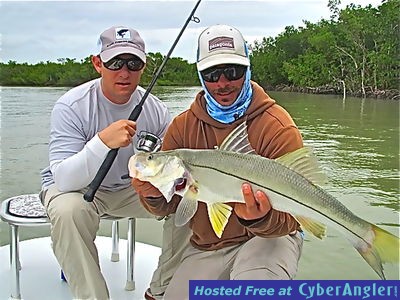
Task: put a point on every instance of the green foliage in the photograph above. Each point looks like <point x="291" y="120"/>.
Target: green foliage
<point x="69" y="72"/>
<point x="357" y="49"/>
<point x="175" y="72"/>
<point x="66" y="72"/>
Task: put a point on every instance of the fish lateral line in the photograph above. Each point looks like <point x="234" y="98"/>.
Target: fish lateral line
<point x="288" y="197"/>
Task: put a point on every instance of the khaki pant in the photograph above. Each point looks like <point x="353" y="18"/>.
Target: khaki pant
<point x="257" y="259"/>
<point x="74" y="224"/>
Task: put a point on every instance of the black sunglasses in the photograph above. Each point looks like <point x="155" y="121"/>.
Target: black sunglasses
<point x="116" y="63"/>
<point x="231" y="72"/>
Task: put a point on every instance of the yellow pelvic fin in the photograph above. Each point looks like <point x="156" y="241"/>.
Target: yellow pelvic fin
<point x="314" y="227"/>
<point x="219" y="213"/>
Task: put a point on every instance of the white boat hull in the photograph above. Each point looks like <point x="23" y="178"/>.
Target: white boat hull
<point x="40" y="274"/>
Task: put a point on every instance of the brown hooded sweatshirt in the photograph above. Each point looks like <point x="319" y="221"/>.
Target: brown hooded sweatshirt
<point x="271" y="132"/>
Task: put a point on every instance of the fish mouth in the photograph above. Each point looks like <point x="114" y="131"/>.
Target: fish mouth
<point x="180" y="184"/>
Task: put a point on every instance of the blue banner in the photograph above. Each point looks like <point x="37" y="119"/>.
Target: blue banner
<point x="294" y="289"/>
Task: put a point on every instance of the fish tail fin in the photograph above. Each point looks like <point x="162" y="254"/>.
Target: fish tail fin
<point x="385" y="248"/>
<point x="219" y="213"/>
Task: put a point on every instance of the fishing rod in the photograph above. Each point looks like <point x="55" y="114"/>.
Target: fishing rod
<point x="112" y="154"/>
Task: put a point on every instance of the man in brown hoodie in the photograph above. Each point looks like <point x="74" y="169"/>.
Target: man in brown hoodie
<point x="258" y="242"/>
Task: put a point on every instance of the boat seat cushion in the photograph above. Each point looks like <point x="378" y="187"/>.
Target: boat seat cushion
<point x="26" y="206"/>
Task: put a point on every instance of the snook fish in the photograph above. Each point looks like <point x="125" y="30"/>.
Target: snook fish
<point x="292" y="183"/>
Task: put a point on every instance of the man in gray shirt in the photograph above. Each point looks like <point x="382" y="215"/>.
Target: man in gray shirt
<point x="87" y="122"/>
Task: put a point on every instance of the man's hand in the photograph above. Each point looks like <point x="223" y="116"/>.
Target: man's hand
<point x="118" y="134"/>
<point x="256" y="205"/>
<point x="145" y="189"/>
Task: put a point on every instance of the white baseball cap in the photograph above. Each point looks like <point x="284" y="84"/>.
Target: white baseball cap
<point x="120" y="40"/>
<point x="221" y="44"/>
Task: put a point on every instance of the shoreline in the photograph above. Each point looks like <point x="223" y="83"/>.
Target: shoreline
<point x="390" y="94"/>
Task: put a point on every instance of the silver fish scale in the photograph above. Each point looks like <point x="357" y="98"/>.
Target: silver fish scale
<point x="219" y="175"/>
<point x="271" y="175"/>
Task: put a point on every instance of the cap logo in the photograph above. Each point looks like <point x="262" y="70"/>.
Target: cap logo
<point x="222" y="42"/>
<point x="122" y="33"/>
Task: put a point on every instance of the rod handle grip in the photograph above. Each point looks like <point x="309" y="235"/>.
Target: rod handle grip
<point x="101" y="173"/>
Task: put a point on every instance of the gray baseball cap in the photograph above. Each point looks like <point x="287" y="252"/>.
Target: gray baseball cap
<point x="120" y="40"/>
<point x="221" y="44"/>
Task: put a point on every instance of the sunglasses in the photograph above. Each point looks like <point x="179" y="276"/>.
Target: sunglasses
<point x="116" y="63"/>
<point x="231" y="72"/>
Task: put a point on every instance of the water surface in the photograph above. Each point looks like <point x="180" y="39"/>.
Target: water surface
<point x="356" y="140"/>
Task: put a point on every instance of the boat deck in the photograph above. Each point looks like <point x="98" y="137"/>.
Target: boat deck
<point x="40" y="274"/>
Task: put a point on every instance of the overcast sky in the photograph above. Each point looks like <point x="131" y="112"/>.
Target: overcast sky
<point x="34" y="31"/>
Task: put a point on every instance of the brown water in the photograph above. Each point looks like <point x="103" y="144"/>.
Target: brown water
<point x="356" y="140"/>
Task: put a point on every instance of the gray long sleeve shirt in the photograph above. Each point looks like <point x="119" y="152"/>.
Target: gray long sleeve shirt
<point x="75" y="150"/>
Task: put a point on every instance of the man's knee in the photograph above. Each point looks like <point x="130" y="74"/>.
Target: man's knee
<point x="69" y="206"/>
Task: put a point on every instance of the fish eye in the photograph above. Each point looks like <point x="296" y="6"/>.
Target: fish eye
<point x="150" y="157"/>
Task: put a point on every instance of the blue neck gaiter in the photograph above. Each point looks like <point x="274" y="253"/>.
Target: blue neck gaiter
<point x="229" y="114"/>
